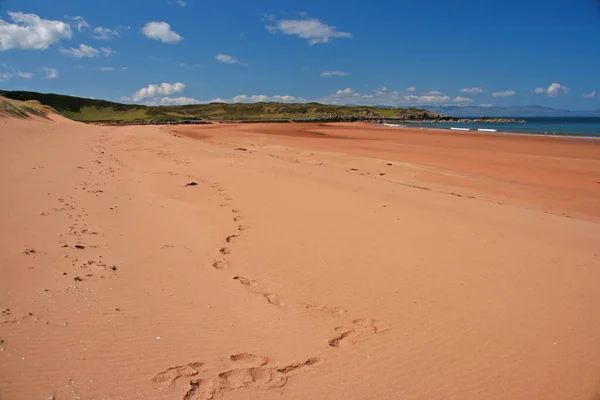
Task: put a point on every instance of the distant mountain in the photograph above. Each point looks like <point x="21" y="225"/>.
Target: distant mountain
<point x="514" y="111"/>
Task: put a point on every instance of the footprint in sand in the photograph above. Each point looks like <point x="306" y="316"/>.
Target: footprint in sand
<point x="225" y="250"/>
<point x="240" y="371"/>
<point x="272" y="298"/>
<point x="249" y="283"/>
<point x="331" y="310"/>
<point x="360" y="330"/>
<point x="230" y="238"/>
<point x="252" y="286"/>
<point x="220" y="264"/>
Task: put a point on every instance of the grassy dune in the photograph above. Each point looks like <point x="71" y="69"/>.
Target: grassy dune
<point x="22" y="109"/>
<point x="91" y="110"/>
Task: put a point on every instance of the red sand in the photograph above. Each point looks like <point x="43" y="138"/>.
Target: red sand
<point x="303" y="266"/>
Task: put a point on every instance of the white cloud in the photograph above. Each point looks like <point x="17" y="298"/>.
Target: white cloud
<point x="164" y="89"/>
<point x="80" y="23"/>
<point x="159" y="30"/>
<point x="24" y="75"/>
<point x="473" y="90"/>
<point x="590" y="94"/>
<point x="261" y="98"/>
<point x="460" y="99"/>
<point x="28" y="31"/>
<point x="5" y="76"/>
<point x="331" y="74"/>
<point x="51" y="73"/>
<point x="383" y="97"/>
<point x="227" y="59"/>
<point x="506" y="93"/>
<point x="345" y="92"/>
<point x="411" y="89"/>
<point x="433" y="93"/>
<point x="310" y="29"/>
<point x="556" y="89"/>
<point x="426" y="99"/>
<point x="172" y="101"/>
<point x="85" y="51"/>
<point x="181" y="3"/>
<point x="101" y="33"/>
<point x="486" y="105"/>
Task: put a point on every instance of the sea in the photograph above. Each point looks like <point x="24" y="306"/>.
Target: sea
<point x="558" y="126"/>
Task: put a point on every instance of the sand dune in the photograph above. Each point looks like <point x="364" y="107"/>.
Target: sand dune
<point x="264" y="261"/>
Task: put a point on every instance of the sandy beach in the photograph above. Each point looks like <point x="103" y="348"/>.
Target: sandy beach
<point x="296" y="261"/>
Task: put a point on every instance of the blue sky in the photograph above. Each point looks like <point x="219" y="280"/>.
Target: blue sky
<point x="401" y="53"/>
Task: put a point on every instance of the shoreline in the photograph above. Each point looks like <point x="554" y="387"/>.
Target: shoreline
<point x="498" y="132"/>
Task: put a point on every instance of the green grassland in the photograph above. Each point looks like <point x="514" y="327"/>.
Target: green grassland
<point x="92" y="110"/>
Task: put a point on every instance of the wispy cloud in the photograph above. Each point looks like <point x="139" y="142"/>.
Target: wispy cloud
<point x="590" y="94"/>
<point x="460" y="99"/>
<point x="85" y="51"/>
<point x="102" y="33"/>
<point x="347" y="91"/>
<point x="104" y="69"/>
<point x="411" y="89"/>
<point x="30" y="32"/>
<point x="311" y="29"/>
<point x="257" y="98"/>
<point x="228" y="59"/>
<point x="107" y="51"/>
<point x="80" y="23"/>
<point x="4" y="76"/>
<point x="51" y="73"/>
<point x="161" y="31"/>
<point x="506" y="93"/>
<point x="426" y="99"/>
<point x="473" y="90"/>
<point x="331" y="74"/>
<point x="189" y="66"/>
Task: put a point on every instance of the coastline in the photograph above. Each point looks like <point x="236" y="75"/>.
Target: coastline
<point x="498" y="132"/>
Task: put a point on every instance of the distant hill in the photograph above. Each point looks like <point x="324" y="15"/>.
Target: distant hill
<point x="514" y="111"/>
<point x="91" y="110"/>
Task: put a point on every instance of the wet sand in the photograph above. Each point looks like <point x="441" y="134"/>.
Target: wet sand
<point x="305" y="261"/>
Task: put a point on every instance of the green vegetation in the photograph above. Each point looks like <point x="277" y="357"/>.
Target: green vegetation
<point x="91" y="110"/>
<point x="22" y="109"/>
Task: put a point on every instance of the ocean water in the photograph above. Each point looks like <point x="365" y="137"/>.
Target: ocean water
<point x="567" y="126"/>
